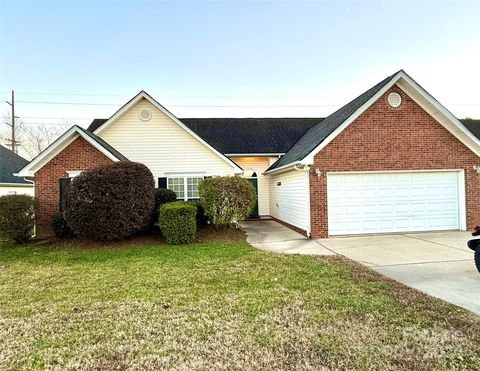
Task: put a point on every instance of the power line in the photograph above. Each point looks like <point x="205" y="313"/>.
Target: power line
<point x="56" y="118"/>
<point x="170" y="96"/>
<point x="72" y="103"/>
<point x="186" y="105"/>
<point x="213" y="105"/>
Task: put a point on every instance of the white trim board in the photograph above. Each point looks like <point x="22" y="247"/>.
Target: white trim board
<point x="144" y="95"/>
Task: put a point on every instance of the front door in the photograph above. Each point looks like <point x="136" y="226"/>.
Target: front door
<point x="254" y="213"/>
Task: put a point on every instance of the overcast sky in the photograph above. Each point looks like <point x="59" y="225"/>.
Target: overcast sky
<point x="225" y="59"/>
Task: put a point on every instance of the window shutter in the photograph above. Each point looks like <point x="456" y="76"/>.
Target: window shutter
<point x="64" y="183"/>
<point x="162" y="182"/>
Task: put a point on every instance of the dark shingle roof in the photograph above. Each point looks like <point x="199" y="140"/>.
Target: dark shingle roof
<point x="95" y="124"/>
<point x="10" y="163"/>
<point x="316" y="135"/>
<point x="296" y="137"/>
<point x="245" y="135"/>
<point x="251" y="135"/>
<point x="104" y="144"/>
<point x="472" y="125"/>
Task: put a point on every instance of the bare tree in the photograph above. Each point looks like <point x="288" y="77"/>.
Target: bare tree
<point x="32" y="138"/>
<point x="38" y="137"/>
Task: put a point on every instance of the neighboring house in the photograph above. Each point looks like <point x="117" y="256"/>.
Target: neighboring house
<point x="10" y="163"/>
<point x="391" y="160"/>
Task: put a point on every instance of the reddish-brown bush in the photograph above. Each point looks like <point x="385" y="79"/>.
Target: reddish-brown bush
<point x="110" y="202"/>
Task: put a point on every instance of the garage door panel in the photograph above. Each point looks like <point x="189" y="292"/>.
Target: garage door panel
<point x="392" y="202"/>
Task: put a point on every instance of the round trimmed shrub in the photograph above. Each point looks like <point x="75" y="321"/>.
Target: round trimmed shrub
<point x="60" y="226"/>
<point x="162" y="196"/>
<point x="177" y="221"/>
<point x="110" y="202"/>
<point x="17" y="217"/>
<point x="227" y="200"/>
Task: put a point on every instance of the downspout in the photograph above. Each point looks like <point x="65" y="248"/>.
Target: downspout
<point x="306" y="169"/>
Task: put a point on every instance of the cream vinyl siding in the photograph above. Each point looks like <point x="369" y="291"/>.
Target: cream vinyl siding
<point x="289" y="201"/>
<point x="258" y="165"/>
<point x="162" y="145"/>
<point x="9" y="190"/>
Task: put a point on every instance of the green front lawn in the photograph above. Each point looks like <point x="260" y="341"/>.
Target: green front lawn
<point x="217" y="305"/>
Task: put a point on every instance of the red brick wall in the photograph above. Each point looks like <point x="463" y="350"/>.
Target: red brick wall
<point x="79" y="155"/>
<point x="386" y="138"/>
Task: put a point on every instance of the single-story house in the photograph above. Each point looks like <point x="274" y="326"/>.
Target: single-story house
<point x="10" y="184"/>
<point x="391" y="160"/>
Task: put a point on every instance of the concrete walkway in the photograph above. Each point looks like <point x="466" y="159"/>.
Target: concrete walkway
<point x="437" y="263"/>
<point x="272" y="236"/>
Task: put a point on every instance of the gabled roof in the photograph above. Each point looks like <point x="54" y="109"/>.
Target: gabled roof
<point x="251" y="135"/>
<point x="62" y="142"/>
<point x="323" y="133"/>
<point x="318" y="133"/>
<point x="97" y="126"/>
<point x="10" y="163"/>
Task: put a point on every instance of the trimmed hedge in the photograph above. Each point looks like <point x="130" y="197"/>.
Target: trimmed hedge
<point x="227" y="200"/>
<point x="60" y="226"/>
<point x="17" y="217"/>
<point x="177" y="221"/>
<point x="110" y="202"/>
<point x="162" y="196"/>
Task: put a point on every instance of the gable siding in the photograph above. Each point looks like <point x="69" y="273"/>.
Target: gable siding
<point x="161" y="144"/>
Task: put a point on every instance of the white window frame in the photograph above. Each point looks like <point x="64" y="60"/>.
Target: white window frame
<point x="74" y="173"/>
<point x="185" y="183"/>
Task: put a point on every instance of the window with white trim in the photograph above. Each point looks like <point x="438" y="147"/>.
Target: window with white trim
<point x="186" y="187"/>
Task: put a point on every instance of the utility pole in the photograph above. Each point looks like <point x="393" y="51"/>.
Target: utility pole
<point x="14" y="144"/>
<point x="13" y="140"/>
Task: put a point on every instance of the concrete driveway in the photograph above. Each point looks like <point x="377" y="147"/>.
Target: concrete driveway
<point x="437" y="263"/>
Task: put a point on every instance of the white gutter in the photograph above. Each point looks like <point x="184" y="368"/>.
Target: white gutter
<point x="292" y="164"/>
<point x="16" y="185"/>
<point x="254" y="154"/>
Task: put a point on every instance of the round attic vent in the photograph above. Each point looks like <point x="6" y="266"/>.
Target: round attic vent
<point x="145" y="115"/>
<point x="394" y="99"/>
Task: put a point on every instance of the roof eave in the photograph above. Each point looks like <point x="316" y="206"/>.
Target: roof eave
<point x="283" y="168"/>
<point x="57" y="146"/>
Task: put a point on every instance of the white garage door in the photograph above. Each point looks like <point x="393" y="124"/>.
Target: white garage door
<point x="392" y="202"/>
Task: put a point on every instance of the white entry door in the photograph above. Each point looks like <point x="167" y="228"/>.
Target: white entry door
<point x="361" y="203"/>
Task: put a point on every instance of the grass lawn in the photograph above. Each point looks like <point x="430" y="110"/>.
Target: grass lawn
<point x="216" y="305"/>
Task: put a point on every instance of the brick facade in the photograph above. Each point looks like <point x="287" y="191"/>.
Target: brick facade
<point x="78" y="155"/>
<point x="385" y="138"/>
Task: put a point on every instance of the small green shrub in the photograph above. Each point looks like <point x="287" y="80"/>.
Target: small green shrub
<point x="227" y="200"/>
<point x="60" y="226"/>
<point x="177" y="221"/>
<point x="162" y="196"/>
<point x="17" y="217"/>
